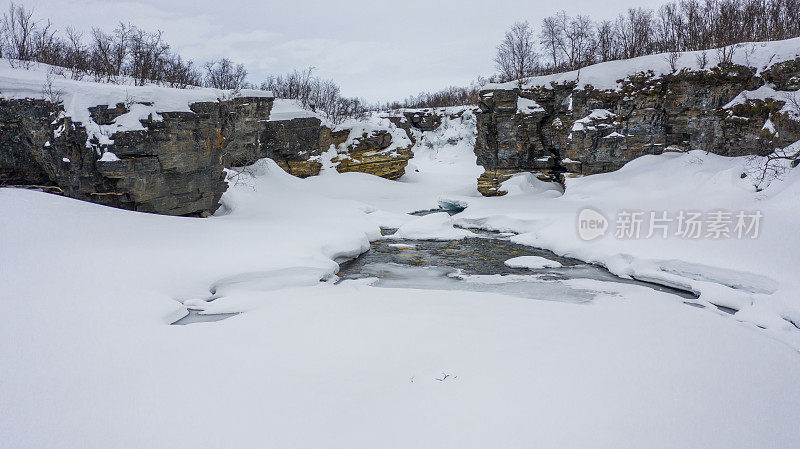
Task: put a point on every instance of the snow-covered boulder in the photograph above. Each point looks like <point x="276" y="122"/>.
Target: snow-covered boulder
<point x="438" y="226"/>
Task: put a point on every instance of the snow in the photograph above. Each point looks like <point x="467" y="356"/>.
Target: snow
<point x="373" y="123"/>
<point x="605" y="76"/>
<point x="438" y="226"/>
<point x="444" y="160"/>
<point x="769" y="126"/>
<point x="87" y="293"/>
<point x="532" y="262"/>
<point x="527" y="106"/>
<point x="526" y="183"/>
<point x="721" y="271"/>
<point x="387" y="219"/>
<point x="78" y="96"/>
<point x="596" y="114"/>
<point x="108" y="157"/>
<point x="313" y="364"/>
<point x="789" y="99"/>
<point x="283" y="109"/>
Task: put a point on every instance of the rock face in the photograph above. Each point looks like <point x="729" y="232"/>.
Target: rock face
<point x="24" y="127"/>
<point x="172" y="167"/>
<point x="299" y="145"/>
<point x="370" y="153"/>
<point x="560" y="130"/>
<point x="294" y="144"/>
<point x="423" y="120"/>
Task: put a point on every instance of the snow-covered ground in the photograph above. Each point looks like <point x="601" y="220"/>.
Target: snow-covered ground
<point x="41" y="81"/>
<point x="89" y="358"/>
<point x="443" y="158"/>
<point x="606" y="75"/>
<point x="752" y="269"/>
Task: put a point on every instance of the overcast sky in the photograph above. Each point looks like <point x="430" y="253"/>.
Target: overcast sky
<point x="376" y="50"/>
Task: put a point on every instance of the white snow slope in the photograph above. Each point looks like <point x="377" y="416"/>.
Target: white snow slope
<point x="40" y="82"/>
<point x="756" y="276"/>
<point x="89" y="359"/>
<point x="606" y="75"/>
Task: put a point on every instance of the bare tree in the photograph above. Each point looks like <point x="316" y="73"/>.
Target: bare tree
<point x="120" y="48"/>
<point x="606" y="41"/>
<point x="551" y="37"/>
<point x="516" y="55"/>
<point x="102" y="55"/>
<point x="109" y="51"/>
<point x="46" y="48"/>
<point x="19" y="30"/>
<point x="702" y="59"/>
<point x="725" y="55"/>
<point x="762" y="170"/>
<point x="296" y="85"/>
<point x="749" y="51"/>
<point x="345" y="108"/>
<point x="325" y="94"/>
<point x="76" y="57"/>
<point x="147" y="56"/>
<point x="318" y="94"/>
<point x="450" y="96"/>
<point x="636" y="32"/>
<point x="223" y="74"/>
<point x="692" y="16"/>
<point x="53" y="95"/>
<point x="578" y="44"/>
<point x="668" y="26"/>
<point x="180" y="74"/>
<point x="672" y="59"/>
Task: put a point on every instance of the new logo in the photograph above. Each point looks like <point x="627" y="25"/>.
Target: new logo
<point x="591" y="224"/>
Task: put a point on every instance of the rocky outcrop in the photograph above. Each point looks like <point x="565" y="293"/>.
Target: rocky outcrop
<point x="371" y="153"/>
<point x="422" y="119"/>
<point x="784" y="75"/>
<point x="560" y="130"/>
<point x="24" y="129"/>
<point x="299" y="146"/>
<point x="173" y="166"/>
<point x="294" y="144"/>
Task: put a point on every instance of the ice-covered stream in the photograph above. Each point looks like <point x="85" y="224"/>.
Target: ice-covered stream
<point x="474" y="264"/>
<point x="478" y="264"/>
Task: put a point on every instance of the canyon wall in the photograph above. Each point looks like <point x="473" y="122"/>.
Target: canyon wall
<point x="174" y="164"/>
<point x="563" y="129"/>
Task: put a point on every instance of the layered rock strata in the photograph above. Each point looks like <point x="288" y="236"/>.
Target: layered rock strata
<point x="561" y="130"/>
<point x="173" y="166"/>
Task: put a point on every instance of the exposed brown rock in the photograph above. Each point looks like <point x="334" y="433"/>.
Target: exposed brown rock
<point x="301" y="169"/>
<point x="489" y="181"/>
<point x="300" y="145"/>
<point x="648" y="114"/>
<point x="386" y="164"/>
